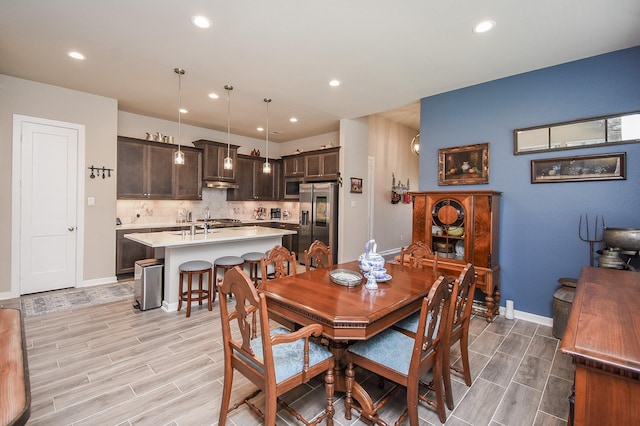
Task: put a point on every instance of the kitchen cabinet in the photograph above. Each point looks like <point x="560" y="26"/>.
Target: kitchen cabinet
<point x="322" y="165"/>
<point x="463" y="227"/>
<point x="293" y="165"/>
<point x="128" y="252"/>
<point x="187" y="176"/>
<point x="214" y="154"/>
<point x="145" y="170"/>
<point x="290" y="242"/>
<point x="252" y="183"/>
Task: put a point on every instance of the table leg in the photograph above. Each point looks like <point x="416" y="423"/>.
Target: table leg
<point x="358" y="393"/>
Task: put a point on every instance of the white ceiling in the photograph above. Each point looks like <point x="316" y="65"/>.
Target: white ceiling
<point x="388" y="54"/>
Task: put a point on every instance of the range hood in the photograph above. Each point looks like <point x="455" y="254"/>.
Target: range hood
<point x="218" y="184"/>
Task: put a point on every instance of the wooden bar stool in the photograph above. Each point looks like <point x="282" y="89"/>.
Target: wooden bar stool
<point x="252" y="259"/>
<point x="199" y="268"/>
<point x="226" y="263"/>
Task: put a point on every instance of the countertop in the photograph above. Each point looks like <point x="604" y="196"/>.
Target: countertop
<point x="214" y="236"/>
<point x="154" y="225"/>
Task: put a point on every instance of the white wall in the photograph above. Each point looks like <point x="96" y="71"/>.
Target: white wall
<point x="389" y="146"/>
<point x="99" y="115"/>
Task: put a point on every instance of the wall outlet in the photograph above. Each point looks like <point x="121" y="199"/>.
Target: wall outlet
<point x="91" y="201"/>
<point x="401" y="237"/>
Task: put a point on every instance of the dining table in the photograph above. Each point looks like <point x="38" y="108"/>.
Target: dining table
<point x="347" y="313"/>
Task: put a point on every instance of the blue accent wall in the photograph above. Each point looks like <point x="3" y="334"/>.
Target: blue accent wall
<point x="539" y="240"/>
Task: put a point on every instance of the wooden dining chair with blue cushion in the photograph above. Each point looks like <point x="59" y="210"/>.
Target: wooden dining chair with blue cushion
<point x="462" y="305"/>
<point x="276" y="361"/>
<point x="405" y="360"/>
<point x="461" y="308"/>
<point x="318" y="255"/>
<point x="418" y="254"/>
<point x="278" y="262"/>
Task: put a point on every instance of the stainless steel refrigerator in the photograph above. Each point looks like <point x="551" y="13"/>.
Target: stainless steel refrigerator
<point x="318" y="217"/>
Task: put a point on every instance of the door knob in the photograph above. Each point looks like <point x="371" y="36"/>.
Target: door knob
<point x="71" y="228"/>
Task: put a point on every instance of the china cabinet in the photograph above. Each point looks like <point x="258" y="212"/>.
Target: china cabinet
<point x="463" y="227"/>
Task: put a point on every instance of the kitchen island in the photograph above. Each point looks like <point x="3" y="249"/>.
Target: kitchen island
<point x="179" y="248"/>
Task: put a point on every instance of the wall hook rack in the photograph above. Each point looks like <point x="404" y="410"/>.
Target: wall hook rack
<point x="95" y="171"/>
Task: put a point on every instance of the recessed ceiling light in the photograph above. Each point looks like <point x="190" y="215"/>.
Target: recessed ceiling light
<point x="260" y="129"/>
<point x="76" y="55"/>
<point x="201" y="21"/>
<point x="293" y="120"/>
<point x="484" y="26"/>
<point x="183" y="111"/>
<point x="213" y="95"/>
<point x="334" y="83"/>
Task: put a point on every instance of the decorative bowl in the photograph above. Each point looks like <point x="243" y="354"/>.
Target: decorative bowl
<point x="455" y="231"/>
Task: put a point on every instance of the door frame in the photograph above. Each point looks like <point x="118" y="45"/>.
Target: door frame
<point x="16" y="220"/>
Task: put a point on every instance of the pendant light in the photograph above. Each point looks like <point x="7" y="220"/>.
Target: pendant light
<point x="266" y="167"/>
<point x="228" y="164"/>
<point x="178" y="157"/>
<point x="415" y="144"/>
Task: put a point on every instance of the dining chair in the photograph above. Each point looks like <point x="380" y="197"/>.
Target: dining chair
<point x="282" y="262"/>
<point x="404" y="360"/>
<point x="418" y="254"/>
<point x="276" y="361"/>
<point x="319" y="254"/>
<point x="461" y="315"/>
<point x="462" y="305"/>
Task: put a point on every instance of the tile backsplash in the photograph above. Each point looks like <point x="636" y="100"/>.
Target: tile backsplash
<point x="166" y="211"/>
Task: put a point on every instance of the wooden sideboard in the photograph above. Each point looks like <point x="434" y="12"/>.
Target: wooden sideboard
<point x="602" y="336"/>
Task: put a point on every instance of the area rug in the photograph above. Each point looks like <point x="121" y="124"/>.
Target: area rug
<point x="65" y="300"/>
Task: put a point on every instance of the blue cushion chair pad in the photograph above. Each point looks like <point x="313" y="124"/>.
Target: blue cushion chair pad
<point x="389" y="348"/>
<point x="253" y="256"/>
<point x="288" y="358"/>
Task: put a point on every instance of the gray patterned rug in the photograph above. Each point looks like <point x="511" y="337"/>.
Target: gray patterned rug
<point x="65" y="300"/>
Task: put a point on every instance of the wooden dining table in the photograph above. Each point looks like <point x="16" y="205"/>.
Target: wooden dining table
<point x="348" y="313"/>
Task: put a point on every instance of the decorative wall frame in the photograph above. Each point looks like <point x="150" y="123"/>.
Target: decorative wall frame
<point x="464" y="165"/>
<point x="356" y="185"/>
<point x="580" y="168"/>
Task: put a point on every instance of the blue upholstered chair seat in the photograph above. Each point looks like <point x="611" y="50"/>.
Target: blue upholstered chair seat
<point x="288" y="358"/>
<point x="410" y="323"/>
<point x="389" y="348"/>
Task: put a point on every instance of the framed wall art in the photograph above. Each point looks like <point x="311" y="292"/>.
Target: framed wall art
<point x="356" y="185"/>
<point x="464" y="165"/>
<point x="581" y="168"/>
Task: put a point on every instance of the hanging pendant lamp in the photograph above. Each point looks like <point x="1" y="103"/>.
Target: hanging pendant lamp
<point x="415" y="144"/>
<point x="178" y="157"/>
<point x="266" y="167"/>
<point x="228" y="163"/>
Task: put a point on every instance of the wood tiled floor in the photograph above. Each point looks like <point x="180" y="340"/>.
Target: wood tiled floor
<point x="114" y="365"/>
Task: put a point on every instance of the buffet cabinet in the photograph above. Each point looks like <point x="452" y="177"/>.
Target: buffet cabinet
<point x="602" y="338"/>
<point x="463" y="227"/>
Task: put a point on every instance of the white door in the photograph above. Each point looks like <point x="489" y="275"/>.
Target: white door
<point x="48" y="205"/>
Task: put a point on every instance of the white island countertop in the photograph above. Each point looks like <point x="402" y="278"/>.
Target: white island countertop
<point x="213" y="236"/>
<point x="218" y="242"/>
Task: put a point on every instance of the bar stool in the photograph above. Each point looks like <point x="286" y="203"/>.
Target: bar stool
<point x="226" y="263"/>
<point x="252" y="259"/>
<point x="199" y="268"/>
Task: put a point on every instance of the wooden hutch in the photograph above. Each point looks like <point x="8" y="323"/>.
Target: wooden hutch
<point x="463" y="227"/>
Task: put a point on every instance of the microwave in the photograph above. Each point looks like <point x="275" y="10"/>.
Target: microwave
<point x="292" y="188"/>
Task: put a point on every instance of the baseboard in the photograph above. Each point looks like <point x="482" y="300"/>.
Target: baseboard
<point x="538" y="319"/>
<point x="8" y="295"/>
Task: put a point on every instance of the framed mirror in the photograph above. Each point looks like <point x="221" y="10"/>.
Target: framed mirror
<point x="611" y="130"/>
